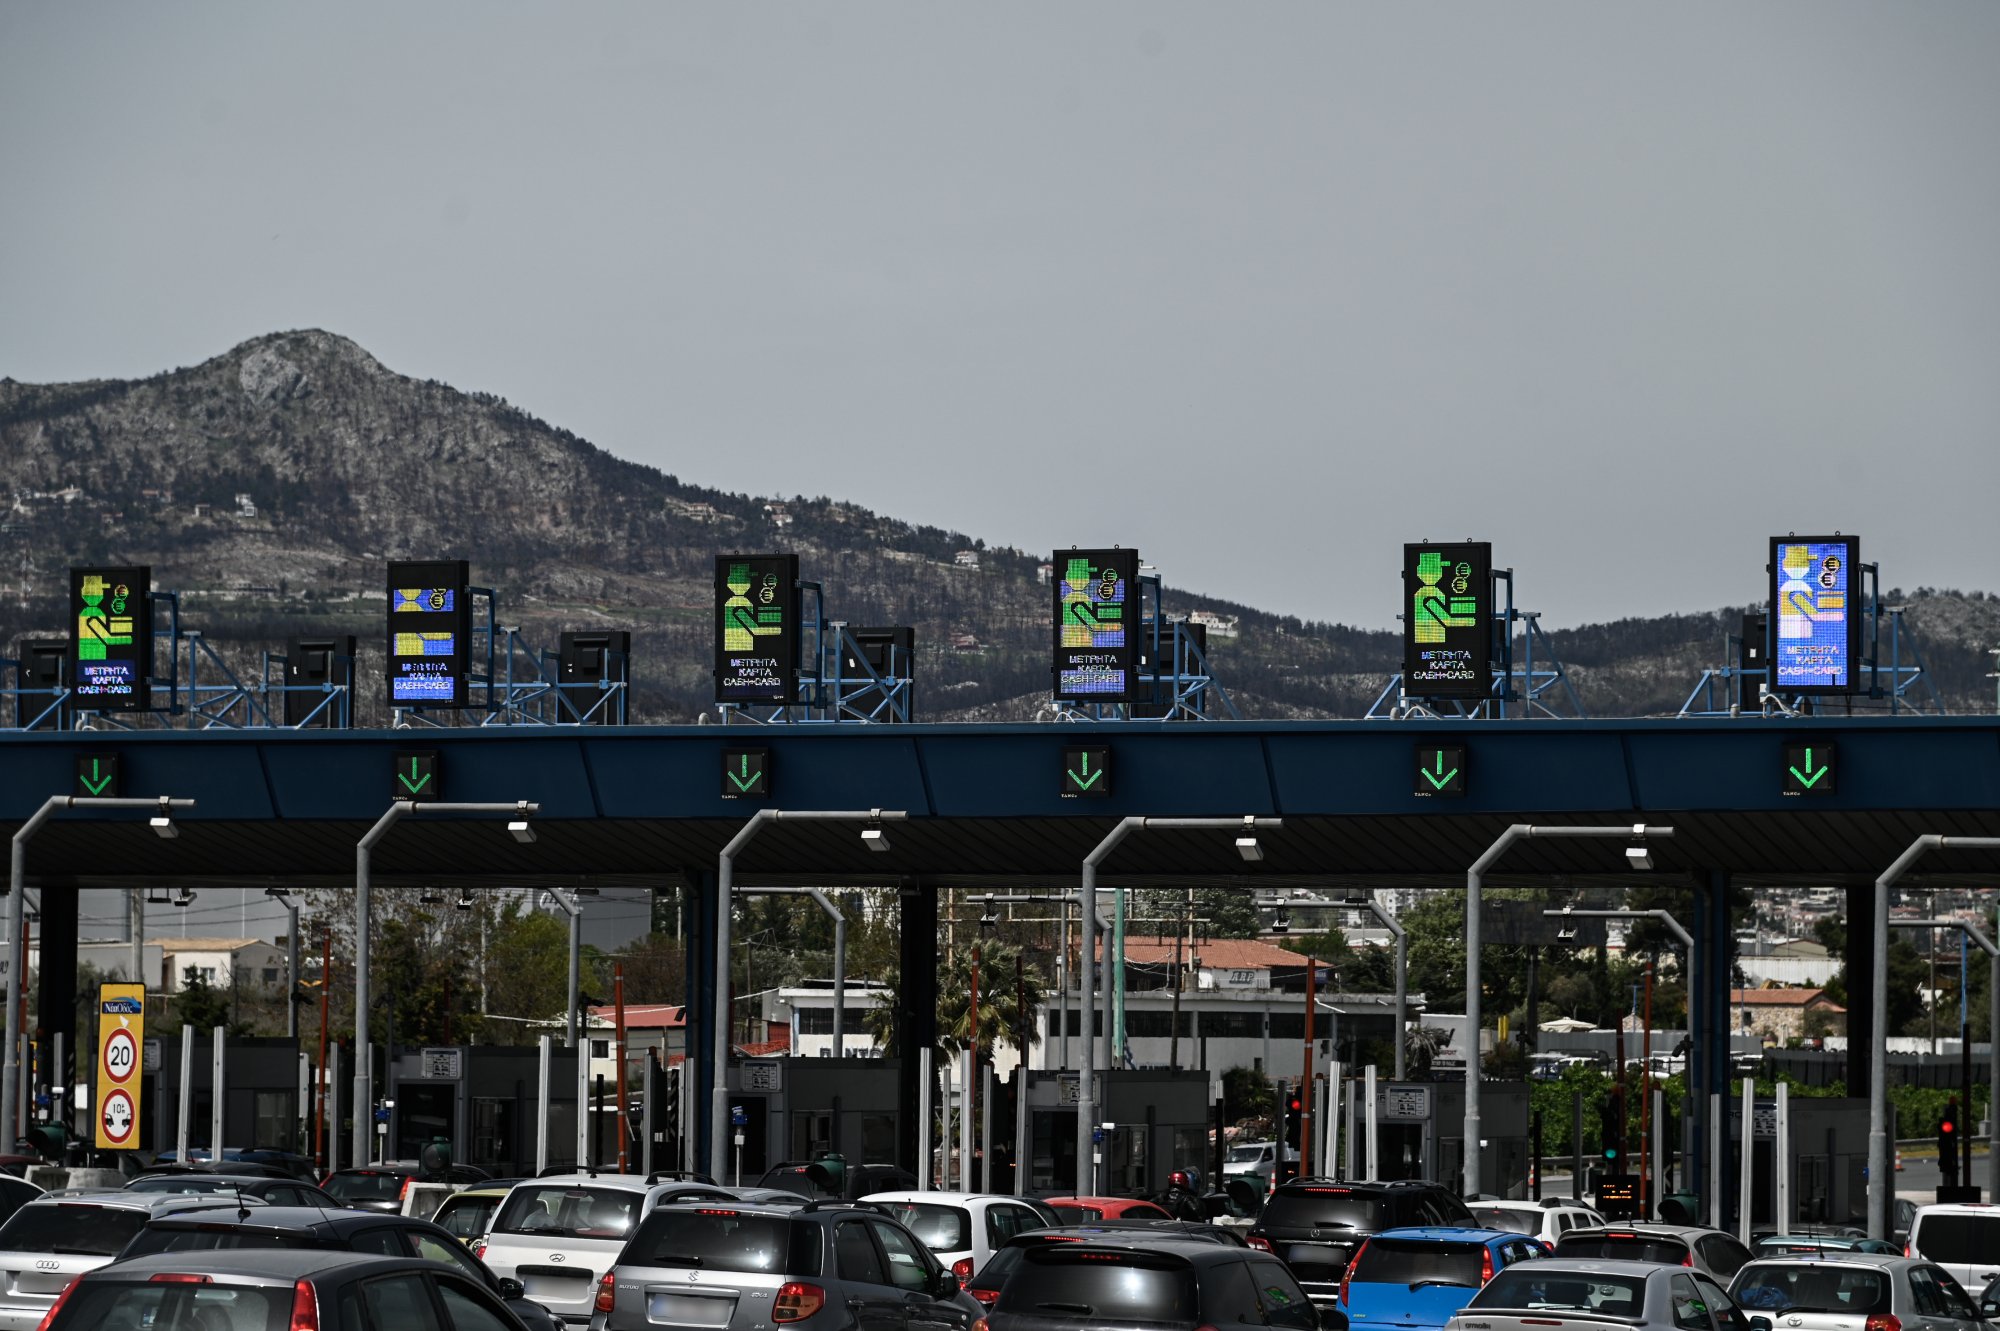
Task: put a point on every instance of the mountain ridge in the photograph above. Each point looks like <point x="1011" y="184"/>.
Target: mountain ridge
<point x="270" y="483"/>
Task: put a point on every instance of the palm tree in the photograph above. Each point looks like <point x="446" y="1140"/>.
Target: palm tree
<point x="1006" y="1009"/>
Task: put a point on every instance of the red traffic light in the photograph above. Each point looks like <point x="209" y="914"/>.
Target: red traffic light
<point x="1297" y="1103"/>
<point x="1947" y="1127"/>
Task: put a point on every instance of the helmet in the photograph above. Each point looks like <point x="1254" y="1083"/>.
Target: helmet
<point x="1179" y="1179"/>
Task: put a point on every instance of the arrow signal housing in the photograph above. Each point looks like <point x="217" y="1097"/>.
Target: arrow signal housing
<point x="1439" y="771"/>
<point x="1809" y="768"/>
<point x="97" y="776"/>
<point x="746" y="774"/>
<point x="417" y="777"/>
<point x="1086" y="772"/>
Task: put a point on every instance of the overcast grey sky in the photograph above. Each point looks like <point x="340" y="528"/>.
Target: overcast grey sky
<point x="1265" y="290"/>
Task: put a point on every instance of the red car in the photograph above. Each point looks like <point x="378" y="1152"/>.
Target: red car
<point x="1082" y="1210"/>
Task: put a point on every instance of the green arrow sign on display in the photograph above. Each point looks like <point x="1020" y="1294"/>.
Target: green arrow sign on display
<point x="97" y="776"/>
<point x="1086" y="773"/>
<point x="1440" y="770"/>
<point x="746" y="774"/>
<point x="1809" y="769"/>
<point x="417" y="777"/>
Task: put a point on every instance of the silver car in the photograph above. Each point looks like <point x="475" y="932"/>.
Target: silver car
<point x="1852" y="1292"/>
<point x="1589" y="1295"/>
<point x="48" y="1243"/>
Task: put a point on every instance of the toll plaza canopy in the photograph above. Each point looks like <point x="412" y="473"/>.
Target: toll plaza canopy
<point x="1361" y="800"/>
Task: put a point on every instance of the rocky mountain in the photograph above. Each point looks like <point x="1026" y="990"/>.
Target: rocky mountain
<point x="269" y="486"/>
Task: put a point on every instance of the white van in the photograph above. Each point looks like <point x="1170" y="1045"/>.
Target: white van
<point x="1254" y="1160"/>
<point x="1963" y="1238"/>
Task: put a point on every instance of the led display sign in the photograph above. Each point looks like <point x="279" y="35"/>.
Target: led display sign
<point x="430" y="632"/>
<point x="1818" y="619"/>
<point x="1809" y="769"/>
<point x="757" y="628"/>
<point x="746" y="774"/>
<point x="1440" y="770"/>
<point x="1448" y="620"/>
<point x="1097" y="625"/>
<point x="1086" y="773"/>
<point x="110" y="638"/>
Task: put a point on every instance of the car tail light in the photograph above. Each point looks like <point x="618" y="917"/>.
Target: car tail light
<point x="180" y="1278"/>
<point x="980" y="1325"/>
<point x="607" y="1292"/>
<point x="962" y="1268"/>
<point x="715" y="1210"/>
<point x="1347" y="1272"/>
<point x="305" y="1307"/>
<point x="797" y="1301"/>
<point x="1259" y="1242"/>
<point x="1689" y="1259"/>
<point x="403" y="1193"/>
<point x="56" y="1307"/>
<point x="1883" y="1322"/>
<point x="479" y="1250"/>
<point x="1485" y="1264"/>
<point x="987" y="1297"/>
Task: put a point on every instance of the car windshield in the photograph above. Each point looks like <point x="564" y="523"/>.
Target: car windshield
<point x="1811" y="1288"/>
<point x="1076" y="1215"/>
<point x="466" y="1219"/>
<point x="1410" y="1262"/>
<point x="1623" y="1247"/>
<point x="568" y="1210"/>
<point x="1958" y="1238"/>
<point x="1508" y="1218"/>
<point x="1340" y="1208"/>
<point x="1241" y="1154"/>
<point x="371" y="1185"/>
<point x="939" y="1228"/>
<point x="69" y="1227"/>
<point x="205" y="1238"/>
<point x="717" y="1238"/>
<point x="1529" y="1286"/>
<point x="172" y="1305"/>
<point x="794" y="1178"/>
<point x="1101" y="1285"/>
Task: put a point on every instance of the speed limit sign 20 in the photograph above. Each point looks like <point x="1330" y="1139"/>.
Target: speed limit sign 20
<point x="121" y="1056"/>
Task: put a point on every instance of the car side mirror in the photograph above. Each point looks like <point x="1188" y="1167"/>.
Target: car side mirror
<point x="1760" y="1324"/>
<point x="948" y="1284"/>
<point x="511" y="1288"/>
<point x="1332" y="1319"/>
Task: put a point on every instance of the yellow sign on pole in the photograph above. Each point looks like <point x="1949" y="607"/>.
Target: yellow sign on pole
<point x="121" y="1036"/>
<point x="1503" y="1028"/>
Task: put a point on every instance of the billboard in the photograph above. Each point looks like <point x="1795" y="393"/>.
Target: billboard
<point x="1817" y="614"/>
<point x="757" y="628"/>
<point x="111" y="638"/>
<point x="1097" y="625"/>
<point x="1448" y="620"/>
<point x="430" y="633"/>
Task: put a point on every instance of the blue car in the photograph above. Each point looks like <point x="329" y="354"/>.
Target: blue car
<point x="1419" y="1277"/>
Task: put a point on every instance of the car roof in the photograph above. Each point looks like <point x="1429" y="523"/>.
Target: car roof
<point x="1193" y="1251"/>
<point x="1608" y="1266"/>
<point x="1136" y="1232"/>
<point x="485" y="1190"/>
<point x="1959" y="1208"/>
<point x="941" y="1198"/>
<point x="219" y="1176"/>
<point x="1449" y="1234"/>
<point x="279" y="1265"/>
<point x="1838" y="1258"/>
<point x="148" y="1201"/>
<point x="1689" y="1232"/>
<point x="338" y="1220"/>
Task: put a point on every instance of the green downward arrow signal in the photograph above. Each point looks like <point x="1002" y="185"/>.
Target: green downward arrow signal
<point x="94" y="783"/>
<point x="1089" y="778"/>
<point x="411" y="782"/>
<point x="744" y="782"/>
<point x="1443" y="777"/>
<point x="1810" y="781"/>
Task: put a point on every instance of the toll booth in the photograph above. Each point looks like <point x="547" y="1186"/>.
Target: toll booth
<point x="1159" y="1122"/>
<point x="794" y="1108"/>
<point x="1826" y="1156"/>
<point x="263" y="1103"/>
<point x="485" y="1100"/>
<point x="1420" y="1129"/>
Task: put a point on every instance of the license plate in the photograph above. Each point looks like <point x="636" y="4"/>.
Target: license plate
<point x="689" y="1309"/>
<point x="554" y="1287"/>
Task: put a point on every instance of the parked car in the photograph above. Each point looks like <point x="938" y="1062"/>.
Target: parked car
<point x="1314" y="1224"/>
<point x="381" y="1187"/>
<point x="984" y="1286"/>
<point x="1811" y="1245"/>
<point x="963" y="1228"/>
<point x="1160" y="1286"/>
<point x="1718" y="1254"/>
<point x="1547" y="1220"/>
<point x="837" y="1264"/>
<point x="1420" y="1277"/>
<point x="1580" y="1295"/>
<point x="278" y="1191"/>
<point x="1853" y="1292"/>
<point x="815" y="1179"/>
<point x="256" y="1289"/>
<point x="1989" y="1301"/>
<point x="1255" y="1160"/>
<point x="49" y="1242"/>
<point x="1962" y="1237"/>
<point x="558" y="1235"/>
<point x="336" y="1231"/>
<point x="1082" y="1210"/>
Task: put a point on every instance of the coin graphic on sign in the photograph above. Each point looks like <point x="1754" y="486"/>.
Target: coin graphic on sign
<point x="121" y="1056"/>
<point x="119" y="1121"/>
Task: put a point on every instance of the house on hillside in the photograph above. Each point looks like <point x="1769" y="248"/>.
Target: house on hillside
<point x="1778" y="1016"/>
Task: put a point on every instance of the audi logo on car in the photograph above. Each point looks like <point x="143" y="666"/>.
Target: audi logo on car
<point x="47" y="1265"/>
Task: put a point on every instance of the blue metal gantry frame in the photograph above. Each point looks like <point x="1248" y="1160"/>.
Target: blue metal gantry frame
<point x="829" y="693"/>
<point x="1534" y="688"/>
<point x="1744" y="690"/>
<point x="1187" y="690"/>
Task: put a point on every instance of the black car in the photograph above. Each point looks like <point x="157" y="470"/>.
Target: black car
<point x="819" y="1179"/>
<point x="984" y="1284"/>
<point x="381" y="1187"/>
<point x="1315" y="1224"/>
<point x="273" y="1288"/>
<point x="201" y="1183"/>
<point x="293" y="1228"/>
<point x="1157" y="1286"/>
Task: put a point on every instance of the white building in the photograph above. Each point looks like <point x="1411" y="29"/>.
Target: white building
<point x="221" y="962"/>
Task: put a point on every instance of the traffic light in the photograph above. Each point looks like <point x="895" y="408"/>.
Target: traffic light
<point x="1294" y="1107"/>
<point x="1948" y="1144"/>
<point x="1611" y="1122"/>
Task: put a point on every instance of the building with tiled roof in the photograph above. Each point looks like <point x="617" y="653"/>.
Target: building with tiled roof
<point x="1777" y="1016"/>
